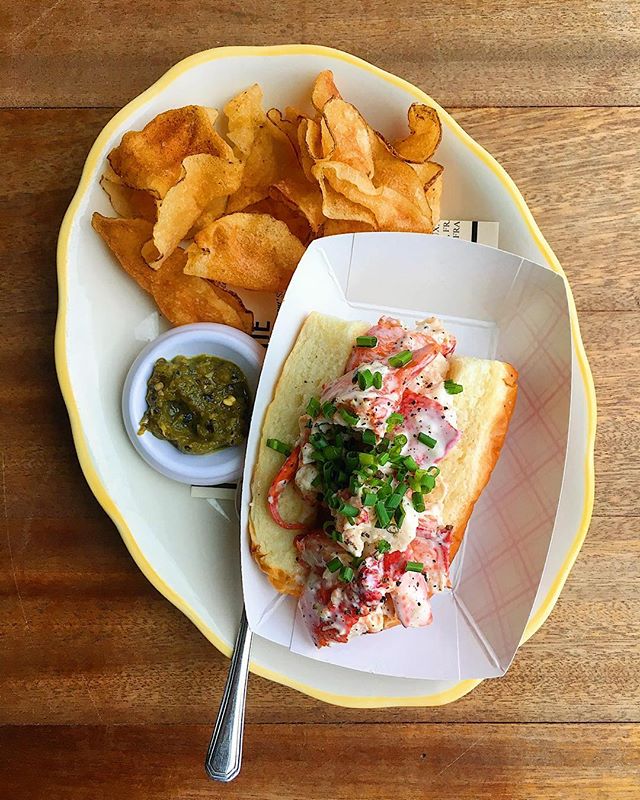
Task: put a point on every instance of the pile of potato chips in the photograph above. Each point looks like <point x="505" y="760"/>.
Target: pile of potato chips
<point x="251" y="206"/>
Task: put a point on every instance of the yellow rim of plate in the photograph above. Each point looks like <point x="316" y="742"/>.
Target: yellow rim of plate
<point x="84" y="455"/>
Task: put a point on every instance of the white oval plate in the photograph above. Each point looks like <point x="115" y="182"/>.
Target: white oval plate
<point x="185" y="548"/>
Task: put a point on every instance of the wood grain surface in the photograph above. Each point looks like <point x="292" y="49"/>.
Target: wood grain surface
<point x="469" y="762"/>
<point x="500" y="52"/>
<point x="106" y="690"/>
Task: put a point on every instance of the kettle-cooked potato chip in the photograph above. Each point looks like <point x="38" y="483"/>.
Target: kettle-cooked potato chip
<point x="394" y="173"/>
<point x="181" y="298"/>
<point x="346" y="136"/>
<point x="296" y="191"/>
<point x="336" y="205"/>
<point x="286" y="125"/>
<point x="324" y="89"/>
<point x="205" y="179"/>
<point x="265" y="166"/>
<point x="334" y="227"/>
<point x="151" y="159"/>
<point x="433" y="191"/>
<point x="250" y="251"/>
<point x="308" y="150"/>
<point x="313" y="139"/>
<point x="127" y="202"/>
<point x="427" y="172"/>
<point x="125" y="237"/>
<point x="295" y="188"/>
<point x="212" y="212"/>
<point x="267" y="151"/>
<point x="425" y="136"/>
<point x="430" y="175"/>
<point x="276" y="207"/>
<point x="244" y="115"/>
<point x="391" y="210"/>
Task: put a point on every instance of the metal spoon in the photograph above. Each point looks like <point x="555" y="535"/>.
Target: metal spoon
<point x="224" y="756"/>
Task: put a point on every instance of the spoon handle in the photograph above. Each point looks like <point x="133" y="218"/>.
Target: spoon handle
<point x="224" y="756"/>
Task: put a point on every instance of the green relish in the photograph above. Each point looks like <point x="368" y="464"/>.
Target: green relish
<point x="200" y="404"/>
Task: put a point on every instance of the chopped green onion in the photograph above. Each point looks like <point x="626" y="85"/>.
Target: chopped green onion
<point x="355" y="562"/>
<point x="334" y="565"/>
<point x="426" y="439"/>
<point x="396" y="498"/>
<point x="313" y="407"/>
<point x="348" y="510"/>
<point x="401" y="359"/>
<point x="383" y="546"/>
<point x="331" y="531"/>
<point x="368" y="436"/>
<point x="366" y="341"/>
<point x="318" y="441"/>
<point x="328" y="409"/>
<point x="279" y="447"/>
<point x="414" y="566"/>
<point x="369" y="499"/>
<point x="351" y="460"/>
<point x="354" y="483"/>
<point x="348" y="417"/>
<point x="417" y="499"/>
<point x="433" y="471"/>
<point x="400" y="515"/>
<point x="382" y="514"/>
<point x="428" y="484"/>
<point x="410" y="463"/>
<point x="316" y="482"/>
<point x="346" y="574"/>
<point x="393" y="502"/>
<point x="384" y="491"/>
<point x="400" y="440"/>
<point x="366" y="459"/>
<point x="333" y="501"/>
<point x="377" y="380"/>
<point x="331" y="452"/>
<point x="365" y="379"/>
<point x="384" y="444"/>
<point x="383" y="458"/>
<point x="394" y="420"/>
<point x="451" y="387"/>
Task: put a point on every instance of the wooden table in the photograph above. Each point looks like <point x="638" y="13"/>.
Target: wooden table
<point x="106" y="690"/>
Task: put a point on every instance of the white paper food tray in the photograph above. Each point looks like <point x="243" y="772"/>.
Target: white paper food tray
<point x="499" y="306"/>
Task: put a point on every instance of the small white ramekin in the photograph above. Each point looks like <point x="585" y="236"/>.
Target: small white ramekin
<point x="223" y="466"/>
